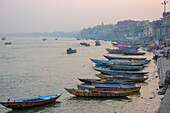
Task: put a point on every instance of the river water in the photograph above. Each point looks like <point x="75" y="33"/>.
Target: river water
<point x="31" y="67"/>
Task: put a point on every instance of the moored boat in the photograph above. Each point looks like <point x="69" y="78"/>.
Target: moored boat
<point x="125" y="68"/>
<point x="120" y="51"/>
<point x="125" y="46"/>
<point x="108" y="77"/>
<point x="118" y="62"/>
<point x="133" y="53"/>
<point x="44" y="39"/>
<point x="109" y="94"/>
<point x="116" y="51"/>
<point x="30" y="102"/>
<point x="108" y="87"/>
<point x="108" y="71"/>
<point x="102" y="81"/>
<point x="121" y="57"/>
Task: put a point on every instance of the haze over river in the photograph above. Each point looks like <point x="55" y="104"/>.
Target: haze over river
<point x="30" y="67"/>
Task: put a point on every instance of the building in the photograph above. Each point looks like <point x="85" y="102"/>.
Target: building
<point x="158" y="26"/>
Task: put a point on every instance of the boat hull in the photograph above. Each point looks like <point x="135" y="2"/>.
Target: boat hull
<point x="71" y="51"/>
<point x="122" y="58"/>
<point x="106" y="71"/>
<point x="129" y="53"/>
<point x="26" y="104"/>
<point x="100" y="81"/>
<point x="119" y="88"/>
<point x="137" y="79"/>
<point x="110" y="94"/>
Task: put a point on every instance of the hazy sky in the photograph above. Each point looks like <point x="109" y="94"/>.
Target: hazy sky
<point x="67" y="15"/>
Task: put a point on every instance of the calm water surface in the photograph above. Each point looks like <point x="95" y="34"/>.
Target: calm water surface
<point x="31" y="67"/>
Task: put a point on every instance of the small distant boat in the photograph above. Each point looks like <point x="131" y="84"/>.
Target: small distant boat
<point x="30" y="102"/>
<point x="108" y="94"/>
<point x="87" y="45"/>
<point x="122" y="58"/>
<point x="3" y="38"/>
<point x="44" y="39"/>
<point x="134" y="53"/>
<point x="56" y="39"/>
<point x="7" y="43"/>
<point x="100" y="81"/>
<point x="70" y="50"/>
<point x="97" y="42"/>
<point x="116" y="51"/>
<point x="109" y="87"/>
<point x="119" y="77"/>
<point x="83" y="43"/>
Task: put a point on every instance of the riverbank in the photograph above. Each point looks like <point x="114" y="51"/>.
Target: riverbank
<point x="163" y="66"/>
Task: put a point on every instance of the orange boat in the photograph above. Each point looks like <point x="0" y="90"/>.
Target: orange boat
<point x="108" y="94"/>
<point x="108" y="87"/>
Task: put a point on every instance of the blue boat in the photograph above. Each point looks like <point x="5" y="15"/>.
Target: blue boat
<point x="3" y="38"/>
<point x="118" y="62"/>
<point x="97" y="43"/>
<point x="70" y="51"/>
<point x="30" y="102"/>
<point x="126" y="68"/>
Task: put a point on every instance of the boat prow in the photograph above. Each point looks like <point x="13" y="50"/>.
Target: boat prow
<point x="30" y="102"/>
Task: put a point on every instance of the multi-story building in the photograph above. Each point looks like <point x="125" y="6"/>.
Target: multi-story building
<point x="159" y="27"/>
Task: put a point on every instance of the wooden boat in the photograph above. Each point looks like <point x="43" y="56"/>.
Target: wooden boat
<point x="125" y="46"/>
<point x="3" y="38"/>
<point x="112" y="51"/>
<point x="7" y="43"/>
<point x="134" y="53"/>
<point x="97" y="43"/>
<point x="102" y="81"/>
<point x="30" y="102"/>
<point x="87" y="45"/>
<point x="108" y="71"/>
<point x="108" y="87"/>
<point x="122" y="58"/>
<point x="110" y="94"/>
<point x="125" y="68"/>
<point x="120" y="51"/>
<point x="107" y="77"/>
<point x="44" y="39"/>
<point x="69" y="51"/>
<point x="118" y="62"/>
<point x="123" y="63"/>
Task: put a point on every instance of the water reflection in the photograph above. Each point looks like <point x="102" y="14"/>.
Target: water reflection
<point x="37" y="108"/>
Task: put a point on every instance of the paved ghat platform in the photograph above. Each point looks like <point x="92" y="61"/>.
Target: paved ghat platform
<point x="163" y="66"/>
